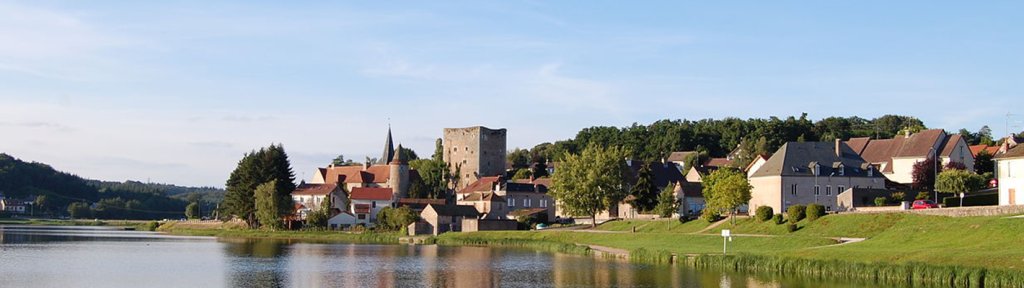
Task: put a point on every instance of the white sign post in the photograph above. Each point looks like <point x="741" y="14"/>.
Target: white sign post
<point x="726" y="238"/>
<point x="962" y="199"/>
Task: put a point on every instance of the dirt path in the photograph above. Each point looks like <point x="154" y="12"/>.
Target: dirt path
<point x="712" y="226"/>
<point x="842" y="241"/>
<point x="622" y="253"/>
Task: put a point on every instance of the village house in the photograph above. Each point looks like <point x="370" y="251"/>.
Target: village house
<point x="437" y="219"/>
<point x="663" y="174"/>
<point x="310" y="197"/>
<point x="802" y="173"/>
<point x="366" y="203"/>
<point x="12" y="206"/>
<point x="1010" y="172"/>
<point x="517" y="195"/>
<point x="488" y="203"/>
<point x="895" y="158"/>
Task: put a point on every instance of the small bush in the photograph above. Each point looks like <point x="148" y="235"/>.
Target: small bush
<point x="880" y="201"/>
<point x="898" y="197"/>
<point x="777" y="219"/>
<point x="923" y="195"/>
<point x="709" y="216"/>
<point x="791" y="227"/>
<point x="796" y="213"/>
<point x="815" y="211"/>
<point x="764" y="213"/>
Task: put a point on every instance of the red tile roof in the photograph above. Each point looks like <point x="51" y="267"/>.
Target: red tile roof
<point x="484" y="184"/>
<point x="976" y="149"/>
<point x="356" y="174"/>
<point x="314" y="189"/>
<point x="365" y="193"/>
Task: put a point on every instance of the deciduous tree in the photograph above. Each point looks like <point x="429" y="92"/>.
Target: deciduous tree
<point x="590" y="182"/>
<point x="725" y="190"/>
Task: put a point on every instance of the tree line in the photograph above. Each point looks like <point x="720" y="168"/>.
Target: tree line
<point x="55" y="193"/>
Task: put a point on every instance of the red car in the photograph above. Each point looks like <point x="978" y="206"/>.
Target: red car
<point x="924" y="204"/>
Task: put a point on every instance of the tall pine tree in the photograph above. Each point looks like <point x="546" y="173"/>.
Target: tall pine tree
<point x="645" y="194"/>
<point x="256" y="168"/>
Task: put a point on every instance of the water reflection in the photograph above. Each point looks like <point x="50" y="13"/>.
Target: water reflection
<point x="111" y="258"/>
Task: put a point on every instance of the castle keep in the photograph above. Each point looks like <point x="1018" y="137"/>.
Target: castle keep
<point x="474" y="152"/>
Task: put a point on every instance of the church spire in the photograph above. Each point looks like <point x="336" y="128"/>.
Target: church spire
<point x="389" y="149"/>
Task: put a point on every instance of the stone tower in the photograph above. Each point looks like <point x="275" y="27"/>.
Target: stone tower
<point x="476" y="151"/>
<point x="399" y="178"/>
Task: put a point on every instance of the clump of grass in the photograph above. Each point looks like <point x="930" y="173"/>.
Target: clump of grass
<point x="542" y="245"/>
<point x="909" y="274"/>
<point x="641" y="255"/>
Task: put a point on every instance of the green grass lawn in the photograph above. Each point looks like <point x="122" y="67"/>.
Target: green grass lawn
<point x="994" y="242"/>
<point x="840" y="225"/>
<point x="989" y="242"/>
<point x="655" y="226"/>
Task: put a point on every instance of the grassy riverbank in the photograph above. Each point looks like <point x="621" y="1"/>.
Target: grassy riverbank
<point x="229" y="230"/>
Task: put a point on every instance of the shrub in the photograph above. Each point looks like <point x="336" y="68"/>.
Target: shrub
<point x="791" y="227"/>
<point x="880" y="201"/>
<point x="815" y="211"/>
<point x="316" y="220"/>
<point x="923" y="195"/>
<point x="709" y="216"/>
<point x="764" y="213"/>
<point x="777" y="219"/>
<point x="898" y="196"/>
<point x="796" y="213"/>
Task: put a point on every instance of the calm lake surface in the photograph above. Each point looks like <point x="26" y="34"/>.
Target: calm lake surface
<point x="38" y="256"/>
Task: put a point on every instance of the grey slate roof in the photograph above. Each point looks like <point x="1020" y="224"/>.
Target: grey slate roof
<point x="797" y="158"/>
<point x="455" y="210"/>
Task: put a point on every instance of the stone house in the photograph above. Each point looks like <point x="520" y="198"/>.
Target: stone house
<point x="489" y="204"/>
<point x="1010" y="172"/>
<point x="802" y="173"/>
<point x="523" y="194"/>
<point x="437" y="219"/>
<point x="895" y="158"/>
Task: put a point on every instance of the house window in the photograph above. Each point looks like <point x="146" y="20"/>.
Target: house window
<point x="828" y="190"/>
<point x="841" y="170"/>
<point x="817" y="190"/>
<point x="511" y="202"/>
<point x="817" y="170"/>
<point x="373" y="204"/>
<point x="792" y="190"/>
<point x="526" y="202"/>
<point x="871" y="171"/>
<point x="543" y="203"/>
<point x="362" y="216"/>
<point x="840" y="189"/>
<point x="828" y="208"/>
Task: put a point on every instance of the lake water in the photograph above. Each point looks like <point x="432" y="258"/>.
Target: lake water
<point x="38" y="256"/>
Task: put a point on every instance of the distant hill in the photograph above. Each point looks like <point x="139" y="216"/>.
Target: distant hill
<point x="112" y="200"/>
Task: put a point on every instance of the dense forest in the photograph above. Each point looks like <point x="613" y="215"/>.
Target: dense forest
<point x="54" y="192"/>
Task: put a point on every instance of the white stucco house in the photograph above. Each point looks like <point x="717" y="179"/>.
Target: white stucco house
<point x="1010" y="172"/>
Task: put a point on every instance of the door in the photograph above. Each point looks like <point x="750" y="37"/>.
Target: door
<point x="1013" y="196"/>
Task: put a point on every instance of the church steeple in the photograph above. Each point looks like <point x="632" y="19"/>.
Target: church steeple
<point x="389" y="149"/>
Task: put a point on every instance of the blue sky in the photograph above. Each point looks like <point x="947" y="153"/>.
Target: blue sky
<point x="176" y="92"/>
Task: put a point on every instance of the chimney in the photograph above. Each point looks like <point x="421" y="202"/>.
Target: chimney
<point x="839" y="153"/>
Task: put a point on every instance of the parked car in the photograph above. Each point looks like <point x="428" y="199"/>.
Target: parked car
<point x="924" y="204"/>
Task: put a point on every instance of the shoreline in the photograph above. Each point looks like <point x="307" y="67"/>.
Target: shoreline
<point x="746" y="260"/>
